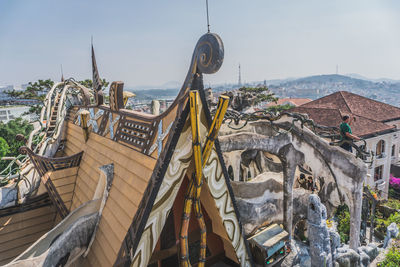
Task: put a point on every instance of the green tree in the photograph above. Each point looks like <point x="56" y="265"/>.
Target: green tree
<point x="35" y="91"/>
<point x="392" y="258"/>
<point x="89" y="83"/>
<point x="38" y="91"/>
<point x="343" y="220"/>
<point x="8" y="131"/>
<point x="262" y="94"/>
<point x="279" y="108"/>
<point x="394" y="218"/>
<point x="4" y="148"/>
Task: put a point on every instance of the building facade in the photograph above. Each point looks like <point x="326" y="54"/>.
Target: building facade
<point x="375" y="122"/>
<point x="13" y="112"/>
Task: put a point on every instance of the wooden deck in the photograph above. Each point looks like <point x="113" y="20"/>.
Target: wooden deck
<point x="132" y="171"/>
<point x="20" y="230"/>
<point x="64" y="181"/>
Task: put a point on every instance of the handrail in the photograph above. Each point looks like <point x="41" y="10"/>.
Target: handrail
<point x="322" y="131"/>
<point x="44" y="164"/>
<point x="60" y="112"/>
<point x="40" y="149"/>
<point x="48" y="100"/>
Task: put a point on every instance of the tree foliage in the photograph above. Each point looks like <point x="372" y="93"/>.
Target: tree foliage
<point x="343" y="220"/>
<point x="89" y="83"/>
<point x="393" y="203"/>
<point x="394" y="218"/>
<point x="35" y="91"/>
<point x="392" y="258"/>
<point x="247" y="97"/>
<point x="279" y="108"/>
<point x="262" y="94"/>
<point x="4" y="148"/>
<point x="8" y="131"/>
<point x="38" y="90"/>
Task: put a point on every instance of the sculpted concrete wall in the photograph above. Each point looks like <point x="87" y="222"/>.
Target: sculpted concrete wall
<point x="260" y="201"/>
<point x="341" y="171"/>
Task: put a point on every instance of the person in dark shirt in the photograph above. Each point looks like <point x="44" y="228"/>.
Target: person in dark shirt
<point x="347" y="134"/>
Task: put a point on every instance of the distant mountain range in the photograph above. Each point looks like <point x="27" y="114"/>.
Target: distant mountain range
<point x="385" y="90"/>
<point x="328" y="79"/>
<point x="335" y="80"/>
<point x="150" y="94"/>
<point x="358" y="76"/>
<point x="176" y="84"/>
<point x="167" y="85"/>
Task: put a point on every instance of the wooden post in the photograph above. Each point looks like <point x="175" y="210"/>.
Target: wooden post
<point x="84" y="124"/>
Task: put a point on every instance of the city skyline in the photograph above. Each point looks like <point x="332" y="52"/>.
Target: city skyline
<point x="152" y="43"/>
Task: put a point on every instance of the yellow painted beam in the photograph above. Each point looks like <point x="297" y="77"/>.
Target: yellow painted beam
<point x="194" y="189"/>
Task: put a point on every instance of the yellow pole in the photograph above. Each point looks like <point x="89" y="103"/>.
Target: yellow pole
<point x="194" y="189"/>
<point x="211" y="136"/>
<point x="187" y="208"/>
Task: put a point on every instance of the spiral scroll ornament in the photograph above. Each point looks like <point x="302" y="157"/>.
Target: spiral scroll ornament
<point x="20" y="137"/>
<point x="24" y="150"/>
<point x="209" y="54"/>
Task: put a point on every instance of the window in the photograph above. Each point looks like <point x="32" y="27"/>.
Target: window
<point x="380" y="148"/>
<point x="230" y="172"/>
<point x="3" y="112"/>
<point x="378" y="173"/>
<point x="393" y="150"/>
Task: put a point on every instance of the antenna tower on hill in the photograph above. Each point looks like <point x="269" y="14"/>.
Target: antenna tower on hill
<point x="240" y="77"/>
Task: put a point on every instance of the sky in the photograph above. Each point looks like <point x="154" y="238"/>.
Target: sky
<point x="151" y="42"/>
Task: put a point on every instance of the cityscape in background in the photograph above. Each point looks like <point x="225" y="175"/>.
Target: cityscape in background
<point x="312" y="87"/>
<point x="261" y="152"/>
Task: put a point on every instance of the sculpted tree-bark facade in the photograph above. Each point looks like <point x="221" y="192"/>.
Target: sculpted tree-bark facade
<point x="301" y="145"/>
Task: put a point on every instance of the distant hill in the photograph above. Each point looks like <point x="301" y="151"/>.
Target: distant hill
<point x="320" y="85"/>
<point x="150" y="94"/>
<point x="384" y="90"/>
<point x="167" y="85"/>
<point x="328" y="78"/>
<point x="358" y="76"/>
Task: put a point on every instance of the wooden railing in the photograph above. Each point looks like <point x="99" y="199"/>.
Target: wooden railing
<point x="142" y="132"/>
<point x="44" y="165"/>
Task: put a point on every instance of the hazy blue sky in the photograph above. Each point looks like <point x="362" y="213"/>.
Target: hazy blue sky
<point x="151" y="42"/>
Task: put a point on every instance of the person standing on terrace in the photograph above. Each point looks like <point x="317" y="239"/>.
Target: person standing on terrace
<point x="347" y="134"/>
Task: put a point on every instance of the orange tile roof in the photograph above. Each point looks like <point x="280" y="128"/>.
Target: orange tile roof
<point x="370" y="114"/>
<point x="294" y="101"/>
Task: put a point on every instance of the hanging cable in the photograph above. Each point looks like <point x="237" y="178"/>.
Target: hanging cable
<point x="208" y="18"/>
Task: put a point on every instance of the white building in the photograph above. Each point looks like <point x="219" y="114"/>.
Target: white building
<point x="8" y="113"/>
<point x="376" y="122"/>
